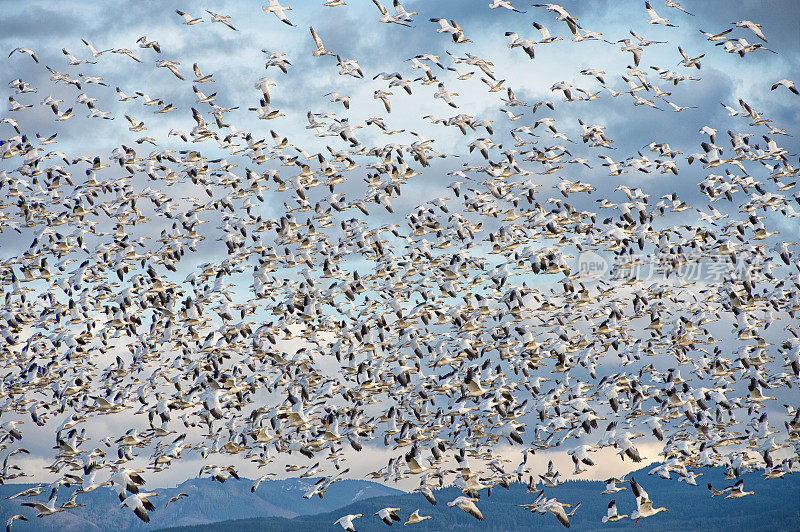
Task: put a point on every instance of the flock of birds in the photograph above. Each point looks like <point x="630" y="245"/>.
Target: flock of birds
<point x="232" y="297"/>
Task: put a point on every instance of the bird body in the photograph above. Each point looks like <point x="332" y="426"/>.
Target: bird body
<point x="278" y="10"/>
<point x="388" y="515"/>
<point x="644" y="506"/>
<point x="467" y="504"/>
<point x="346" y="522"/>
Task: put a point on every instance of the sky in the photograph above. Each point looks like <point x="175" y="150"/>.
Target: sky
<point x="236" y="60"/>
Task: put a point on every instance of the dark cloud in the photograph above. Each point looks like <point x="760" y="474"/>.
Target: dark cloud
<point x="38" y="24"/>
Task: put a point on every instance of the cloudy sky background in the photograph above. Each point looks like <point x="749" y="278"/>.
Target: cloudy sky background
<point x="353" y="31"/>
<point x="236" y="60"/>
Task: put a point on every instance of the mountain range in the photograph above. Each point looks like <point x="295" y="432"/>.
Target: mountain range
<point x="278" y="505"/>
<point x="207" y="502"/>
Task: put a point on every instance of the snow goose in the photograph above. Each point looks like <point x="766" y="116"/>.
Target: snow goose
<point x="223" y="19"/>
<point x="416" y="518"/>
<point x="655" y="19"/>
<point x="188" y="19"/>
<point x="346" y="522"/>
<point x="468" y="505"/>
<point x="737" y="490"/>
<point x="278" y="10"/>
<point x="388" y="515"/>
<point x="786" y="83"/>
<point x="611" y="513"/>
<point x="644" y="506"/>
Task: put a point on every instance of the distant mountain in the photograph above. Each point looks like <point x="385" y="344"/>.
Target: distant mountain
<point x="208" y="502"/>
<point x="775" y="506"/>
<point x="278" y="505"/>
